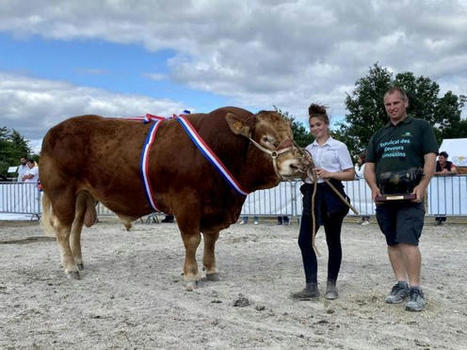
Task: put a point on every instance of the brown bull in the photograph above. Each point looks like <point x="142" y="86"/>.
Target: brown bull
<point x="89" y="158"/>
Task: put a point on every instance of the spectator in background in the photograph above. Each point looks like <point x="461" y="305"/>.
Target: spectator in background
<point x="283" y="220"/>
<point x="360" y="174"/>
<point x="245" y="220"/>
<point x="32" y="174"/>
<point x="22" y="168"/>
<point x="444" y="168"/>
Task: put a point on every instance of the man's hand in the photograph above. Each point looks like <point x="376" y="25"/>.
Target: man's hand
<point x="419" y="191"/>
<point x="375" y="192"/>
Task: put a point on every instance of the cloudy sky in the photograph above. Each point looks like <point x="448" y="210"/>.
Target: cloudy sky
<point x="126" y="58"/>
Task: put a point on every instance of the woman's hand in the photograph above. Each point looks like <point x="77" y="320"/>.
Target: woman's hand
<point x="323" y="174"/>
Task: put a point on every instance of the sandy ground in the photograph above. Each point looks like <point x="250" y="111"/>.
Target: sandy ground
<point x="131" y="294"/>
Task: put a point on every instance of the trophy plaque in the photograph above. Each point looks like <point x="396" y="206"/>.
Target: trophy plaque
<point x="398" y="185"/>
<point x="395" y="197"/>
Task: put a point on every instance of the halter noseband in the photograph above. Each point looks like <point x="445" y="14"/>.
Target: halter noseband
<point x="285" y="146"/>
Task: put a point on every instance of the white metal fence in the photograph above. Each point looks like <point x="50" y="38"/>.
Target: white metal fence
<point x="447" y="196"/>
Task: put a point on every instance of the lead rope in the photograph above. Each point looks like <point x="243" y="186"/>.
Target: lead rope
<point x="312" y="174"/>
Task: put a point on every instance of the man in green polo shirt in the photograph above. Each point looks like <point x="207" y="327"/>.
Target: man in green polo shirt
<point x="402" y="146"/>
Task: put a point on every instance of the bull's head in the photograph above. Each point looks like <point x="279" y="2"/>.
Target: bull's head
<point x="272" y="134"/>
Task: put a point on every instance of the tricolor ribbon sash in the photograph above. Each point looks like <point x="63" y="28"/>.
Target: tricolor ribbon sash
<point x="197" y="140"/>
<point x="209" y="154"/>
<point x="144" y="163"/>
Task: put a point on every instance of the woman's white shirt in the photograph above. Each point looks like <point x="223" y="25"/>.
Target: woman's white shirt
<point x="332" y="156"/>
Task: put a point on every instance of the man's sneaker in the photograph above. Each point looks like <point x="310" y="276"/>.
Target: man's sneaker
<point x="416" y="300"/>
<point x="399" y="292"/>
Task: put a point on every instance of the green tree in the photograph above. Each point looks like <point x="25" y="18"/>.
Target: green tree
<point x="367" y="113"/>
<point x="300" y="134"/>
<point x="13" y="146"/>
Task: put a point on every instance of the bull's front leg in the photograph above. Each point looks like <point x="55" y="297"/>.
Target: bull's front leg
<point x="209" y="257"/>
<point x="191" y="274"/>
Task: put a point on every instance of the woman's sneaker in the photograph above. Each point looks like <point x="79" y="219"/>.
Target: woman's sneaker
<point x="416" y="301"/>
<point x="311" y="291"/>
<point x="399" y="292"/>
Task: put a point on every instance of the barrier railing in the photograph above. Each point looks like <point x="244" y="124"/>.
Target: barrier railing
<point x="447" y="196"/>
<point x="20" y="198"/>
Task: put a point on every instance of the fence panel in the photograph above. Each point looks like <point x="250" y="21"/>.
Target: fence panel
<point x="447" y="196"/>
<point x="20" y="198"/>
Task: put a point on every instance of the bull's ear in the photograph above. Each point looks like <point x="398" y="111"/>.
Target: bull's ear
<point x="237" y="125"/>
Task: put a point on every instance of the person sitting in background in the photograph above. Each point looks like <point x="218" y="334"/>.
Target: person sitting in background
<point x="443" y="168"/>
<point x="283" y="220"/>
<point x="32" y="174"/>
<point x="359" y="174"/>
<point x="245" y="220"/>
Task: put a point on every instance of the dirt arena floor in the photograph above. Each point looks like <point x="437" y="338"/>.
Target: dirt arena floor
<point x="131" y="294"/>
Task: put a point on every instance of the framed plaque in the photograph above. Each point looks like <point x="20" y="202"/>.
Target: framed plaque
<point x="395" y="197"/>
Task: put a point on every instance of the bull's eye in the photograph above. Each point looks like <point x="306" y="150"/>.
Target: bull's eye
<point x="268" y="140"/>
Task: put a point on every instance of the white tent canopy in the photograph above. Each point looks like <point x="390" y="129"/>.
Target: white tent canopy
<point x="456" y="149"/>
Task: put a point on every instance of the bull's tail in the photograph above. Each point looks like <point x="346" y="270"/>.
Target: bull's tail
<point x="48" y="216"/>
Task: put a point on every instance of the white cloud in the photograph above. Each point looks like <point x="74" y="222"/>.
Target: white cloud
<point x="259" y="53"/>
<point x="35" y="105"/>
<point x="155" y="76"/>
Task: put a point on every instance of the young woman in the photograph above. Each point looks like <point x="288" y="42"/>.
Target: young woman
<point x="332" y="162"/>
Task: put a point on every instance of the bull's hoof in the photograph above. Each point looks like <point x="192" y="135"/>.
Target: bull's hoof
<point x="80" y="267"/>
<point x="190" y="285"/>
<point x="74" y="275"/>
<point x="213" y="276"/>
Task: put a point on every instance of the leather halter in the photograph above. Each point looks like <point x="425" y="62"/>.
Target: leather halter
<point x="285" y="146"/>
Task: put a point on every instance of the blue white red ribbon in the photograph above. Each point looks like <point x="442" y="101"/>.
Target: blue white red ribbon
<point x="144" y="163"/>
<point x="147" y="118"/>
<point x="197" y="140"/>
<point x="209" y="154"/>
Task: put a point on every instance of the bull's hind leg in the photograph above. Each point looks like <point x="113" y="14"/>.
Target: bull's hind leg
<point x="63" y="239"/>
<point x="209" y="257"/>
<point x="75" y="236"/>
<point x="61" y="219"/>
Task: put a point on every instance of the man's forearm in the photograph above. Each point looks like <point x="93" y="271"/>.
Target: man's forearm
<point x="370" y="176"/>
<point x="428" y="169"/>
